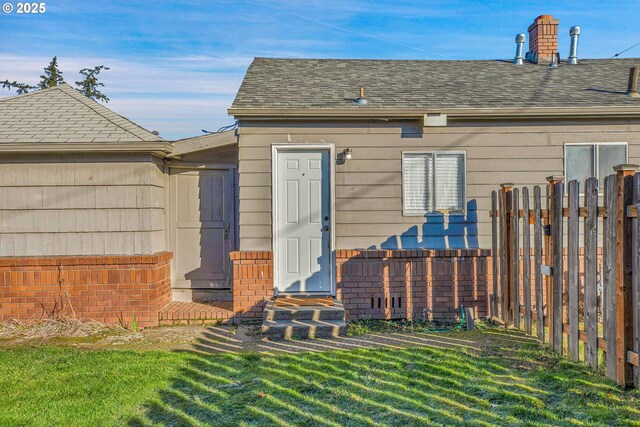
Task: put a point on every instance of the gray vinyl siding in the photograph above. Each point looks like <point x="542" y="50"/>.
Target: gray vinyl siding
<point x="81" y="205"/>
<point x="368" y="188"/>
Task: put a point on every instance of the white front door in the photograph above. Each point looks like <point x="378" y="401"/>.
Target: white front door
<point x="303" y="221"/>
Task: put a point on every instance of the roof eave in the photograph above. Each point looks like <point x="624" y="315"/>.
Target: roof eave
<point x="160" y="149"/>
<point x="459" y="113"/>
<point x="204" y="142"/>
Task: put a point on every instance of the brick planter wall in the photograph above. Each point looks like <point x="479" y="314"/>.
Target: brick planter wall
<point x="381" y="284"/>
<point x="252" y="283"/>
<point x="109" y="289"/>
<point x="392" y="284"/>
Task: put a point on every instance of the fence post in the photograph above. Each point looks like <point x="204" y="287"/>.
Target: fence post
<point x="548" y="250"/>
<point x="515" y="260"/>
<point x="493" y="303"/>
<point x="624" y="310"/>
<point x="507" y="239"/>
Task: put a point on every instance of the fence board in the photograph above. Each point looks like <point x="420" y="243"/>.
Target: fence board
<point x="635" y="285"/>
<point x="558" y="265"/>
<point x="609" y="279"/>
<point x="503" y="270"/>
<point x="573" y="286"/>
<point x="624" y="197"/>
<point x="515" y="260"/>
<point x="590" y="273"/>
<point x="548" y="259"/>
<point x="526" y="262"/>
<point x="494" y="253"/>
<point x="537" y="250"/>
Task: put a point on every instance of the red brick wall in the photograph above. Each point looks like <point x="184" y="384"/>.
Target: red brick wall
<point x="381" y="284"/>
<point x="109" y="289"/>
<point x="392" y="284"/>
<point x="252" y="283"/>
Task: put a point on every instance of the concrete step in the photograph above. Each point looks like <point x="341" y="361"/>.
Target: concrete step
<point x="311" y="312"/>
<point x="303" y="329"/>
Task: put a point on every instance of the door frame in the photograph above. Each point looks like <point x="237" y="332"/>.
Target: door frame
<point x="171" y="218"/>
<point x="330" y="148"/>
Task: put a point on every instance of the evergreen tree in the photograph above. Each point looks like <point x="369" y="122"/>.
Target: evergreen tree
<point x="20" y="87"/>
<point x="89" y="86"/>
<point x="52" y="75"/>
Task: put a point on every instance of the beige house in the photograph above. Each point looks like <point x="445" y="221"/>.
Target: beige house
<point x="369" y="180"/>
<point x="103" y="206"/>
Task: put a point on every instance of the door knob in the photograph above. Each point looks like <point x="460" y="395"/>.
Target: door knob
<point x="326" y="218"/>
<point x="325" y="228"/>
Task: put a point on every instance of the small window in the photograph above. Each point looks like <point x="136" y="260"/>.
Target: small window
<point x="433" y="182"/>
<point x="582" y="161"/>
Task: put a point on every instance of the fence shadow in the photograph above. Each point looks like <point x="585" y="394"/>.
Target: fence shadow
<point x="473" y="384"/>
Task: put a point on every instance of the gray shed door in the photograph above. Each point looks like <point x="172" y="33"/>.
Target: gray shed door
<point x="203" y="212"/>
<point x="303" y="223"/>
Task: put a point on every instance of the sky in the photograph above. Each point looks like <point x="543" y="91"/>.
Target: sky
<point x="175" y="66"/>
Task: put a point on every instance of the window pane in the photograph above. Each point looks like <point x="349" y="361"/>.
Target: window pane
<point x="579" y="163"/>
<point x="417" y="183"/>
<point x="450" y="182"/>
<point x="610" y="156"/>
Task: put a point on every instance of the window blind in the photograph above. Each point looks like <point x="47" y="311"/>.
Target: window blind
<point x="432" y="182"/>
<point x="449" y="182"/>
<point x="417" y="183"/>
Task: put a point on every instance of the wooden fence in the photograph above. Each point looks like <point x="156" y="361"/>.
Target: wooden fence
<point x="549" y="268"/>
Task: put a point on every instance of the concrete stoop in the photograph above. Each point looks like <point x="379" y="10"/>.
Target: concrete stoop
<point x="303" y="322"/>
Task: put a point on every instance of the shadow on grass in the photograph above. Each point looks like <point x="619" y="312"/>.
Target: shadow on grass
<point x="464" y="379"/>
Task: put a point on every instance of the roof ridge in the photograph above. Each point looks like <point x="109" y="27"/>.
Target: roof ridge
<point x="140" y="132"/>
<point x="36" y="92"/>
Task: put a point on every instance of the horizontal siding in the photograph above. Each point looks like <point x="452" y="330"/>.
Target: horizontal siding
<point x="368" y="188"/>
<point x="111" y="243"/>
<point x="75" y="207"/>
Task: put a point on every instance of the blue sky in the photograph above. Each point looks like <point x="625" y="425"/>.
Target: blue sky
<point x="175" y="65"/>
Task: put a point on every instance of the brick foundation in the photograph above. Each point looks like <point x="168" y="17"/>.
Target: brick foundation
<point x="109" y="289"/>
<point x="252" y="283"/>
<point x="381" y="284"/>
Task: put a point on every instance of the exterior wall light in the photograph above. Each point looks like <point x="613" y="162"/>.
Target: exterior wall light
<point x="346" y="153"/>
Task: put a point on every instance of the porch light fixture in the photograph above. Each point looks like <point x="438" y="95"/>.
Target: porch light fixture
<point x="346" y="153"/>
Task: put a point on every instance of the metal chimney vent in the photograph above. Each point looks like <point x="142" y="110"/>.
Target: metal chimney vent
<point x="361" y="100"/>
<point x="574" y="32"/>
<point x="519" y="46"/>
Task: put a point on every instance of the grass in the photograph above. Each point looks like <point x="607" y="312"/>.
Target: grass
<point x="488" y="381"/>
<point x="363" y="327"/>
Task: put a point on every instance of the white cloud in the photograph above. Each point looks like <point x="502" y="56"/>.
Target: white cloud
<point x="171" y="95"/>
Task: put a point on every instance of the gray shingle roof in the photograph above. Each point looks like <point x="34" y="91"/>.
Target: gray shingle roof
<point x="419" y="84"/>
<point x="62" y="114"/>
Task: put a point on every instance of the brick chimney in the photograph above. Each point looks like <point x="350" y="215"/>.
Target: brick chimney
<point x="543" y="39"/>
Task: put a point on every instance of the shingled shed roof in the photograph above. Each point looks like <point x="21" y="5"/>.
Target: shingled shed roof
<point x="61" y="114"/>
<point x="332" y="84"/>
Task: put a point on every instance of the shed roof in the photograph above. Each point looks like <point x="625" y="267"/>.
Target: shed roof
<point x="61" y="114"/>
<point x="332" y="84"/>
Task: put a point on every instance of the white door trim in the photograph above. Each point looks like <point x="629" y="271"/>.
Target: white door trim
<point x="275" y="148"/>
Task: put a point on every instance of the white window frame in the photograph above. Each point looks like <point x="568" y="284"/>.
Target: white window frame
<point x="464" y="184"/>
<point x="596" y="158"/>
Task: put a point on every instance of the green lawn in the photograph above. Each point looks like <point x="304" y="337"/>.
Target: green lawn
<point x="502" y="383"/>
